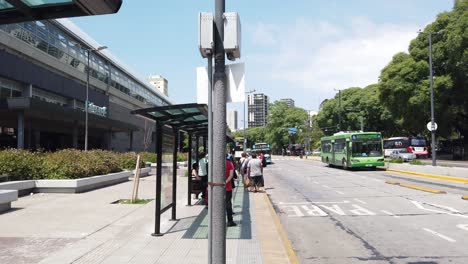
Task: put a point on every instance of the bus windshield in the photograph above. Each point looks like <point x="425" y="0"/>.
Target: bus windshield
<point x="418" y="142"/>
<point x="396" y="143"/>
<point x="367" y="149"/>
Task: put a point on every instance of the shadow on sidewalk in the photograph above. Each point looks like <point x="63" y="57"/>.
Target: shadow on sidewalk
<point x="198" y="229"/>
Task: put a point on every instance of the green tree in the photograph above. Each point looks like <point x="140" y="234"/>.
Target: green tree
<point x="404" y="82"/>
<point x="280" y="118"/>
<point x="356" y="104"/>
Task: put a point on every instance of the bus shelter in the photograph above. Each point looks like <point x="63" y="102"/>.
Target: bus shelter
<point x="170" y="120"/>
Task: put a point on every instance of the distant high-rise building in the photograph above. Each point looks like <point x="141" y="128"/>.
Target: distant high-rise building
<point x="159" y="83"/>
<point x="257" y="110"/>
<point x="288" y="101"/>
<point x="231" y="117"/>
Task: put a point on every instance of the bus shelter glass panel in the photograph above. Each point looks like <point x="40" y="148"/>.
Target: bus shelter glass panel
<point x="167" y="167"/>
<point x="45" y="2"/>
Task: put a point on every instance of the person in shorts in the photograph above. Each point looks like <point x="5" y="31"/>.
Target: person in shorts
<point x="255" y="171"/>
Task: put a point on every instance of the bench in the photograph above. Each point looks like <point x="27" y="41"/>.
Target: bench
<point x="6" y="197"/>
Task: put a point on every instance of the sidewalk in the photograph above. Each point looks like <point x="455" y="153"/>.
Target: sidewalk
<point x="87" y="228"/>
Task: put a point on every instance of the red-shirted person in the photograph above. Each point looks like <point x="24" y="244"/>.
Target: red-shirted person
<point x="229" y="175"/>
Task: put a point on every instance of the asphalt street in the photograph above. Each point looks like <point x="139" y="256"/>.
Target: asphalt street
<point x="333" y="215"/>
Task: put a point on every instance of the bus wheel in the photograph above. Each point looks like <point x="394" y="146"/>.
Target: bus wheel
<point x="344" y="164"/>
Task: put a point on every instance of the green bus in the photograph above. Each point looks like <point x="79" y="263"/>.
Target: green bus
<point x="353" y="150"/>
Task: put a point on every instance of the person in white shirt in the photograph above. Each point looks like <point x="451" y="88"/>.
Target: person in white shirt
<point x="255" y="172"/>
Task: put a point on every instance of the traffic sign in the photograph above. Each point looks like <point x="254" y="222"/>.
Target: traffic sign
<point x="430" y="127"/>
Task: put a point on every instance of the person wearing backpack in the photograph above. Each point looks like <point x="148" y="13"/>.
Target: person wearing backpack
<point x="243" y="170"/>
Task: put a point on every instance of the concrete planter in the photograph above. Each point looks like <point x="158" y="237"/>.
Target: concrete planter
<point x="143" y="172"/>
<point x="81" y="185"/>
<point x="6" y="197"/>
<point x="23" y="187"/>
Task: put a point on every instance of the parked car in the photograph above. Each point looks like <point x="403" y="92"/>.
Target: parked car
<point x="317" y="152"/>
<point x="402" y="154"/>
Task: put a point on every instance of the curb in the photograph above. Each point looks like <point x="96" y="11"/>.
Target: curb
<point x="416" y="187"/>
<point x="284" y="237"/>
<point x="431" y="176"/>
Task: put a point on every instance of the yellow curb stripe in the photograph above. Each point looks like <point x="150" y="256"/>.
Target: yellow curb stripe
<point x="284" y="237"/>
<point x="465" y="197"/>
<point x="393" y="182"/>
<point x="416" y="187"/>
<point x="432" y="176"/>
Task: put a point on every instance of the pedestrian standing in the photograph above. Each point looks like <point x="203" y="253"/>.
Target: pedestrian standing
<point x="255" y="171"/>
<point x="243" y="168"/>
<point x="203" y="173"/>
<point x="228" y="186"/>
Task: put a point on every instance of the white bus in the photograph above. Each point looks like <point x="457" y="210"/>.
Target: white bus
<point x="416" y="145"/>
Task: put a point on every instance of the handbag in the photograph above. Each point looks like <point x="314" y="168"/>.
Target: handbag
<point x="247" y="182"/>
<point x="197" y="185"/>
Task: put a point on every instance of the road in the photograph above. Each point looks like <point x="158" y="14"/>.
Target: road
<point x="338" y="216"/>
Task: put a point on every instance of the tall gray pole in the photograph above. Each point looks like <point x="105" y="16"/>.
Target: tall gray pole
<point x="245" y="139"/>
<point x="218" y="254"/>
<point x="210" y="153"/>
<point x="86" y="107"/>
<point x="433" y="144"/>
<point x="339" y="109"/>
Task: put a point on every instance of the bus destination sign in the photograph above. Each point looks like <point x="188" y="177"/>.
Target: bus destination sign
<point x="365" y="136"/>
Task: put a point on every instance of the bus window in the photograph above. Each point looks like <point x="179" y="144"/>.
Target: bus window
<point x="367" y="149"/>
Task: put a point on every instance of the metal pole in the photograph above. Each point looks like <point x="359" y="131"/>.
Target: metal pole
<point x="245" y="139"/>
<point x="432" y="102"/>
<point x="362" y="123"/>
<point x="158" y="144"/>
<point x="174" y="175"/>
<point x="210" y="153"/>
<point x="86" y="106"/>
<point x="189" y="195"/>
<point x="339" y="109"/>
<point x="218" y="254"/>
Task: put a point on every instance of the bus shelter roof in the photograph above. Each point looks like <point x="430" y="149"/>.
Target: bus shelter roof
<point x="14" y="11"/>
<point x="191" y="118"/>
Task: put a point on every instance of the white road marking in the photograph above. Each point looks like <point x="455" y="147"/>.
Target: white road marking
<point x="342" y="193"/>
<point x="463" y="226"/>
<point x="440" y="235"/>
<point x="377" y="180"/>
<point x="360" y="210"/>
<point x="326" y="186"/>
<point x="316" y="182"/>
<point x="343" y="202"/>
<point x="445" y="207"/>
<point x="419" y="205"/>
<point x="303" y="210"/>
<point x="357" y="200"/>
<point x="363" y="177"/>
<point x="387" y="212"/>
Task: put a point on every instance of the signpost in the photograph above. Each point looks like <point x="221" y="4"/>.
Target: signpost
<point x="430" y="127"/>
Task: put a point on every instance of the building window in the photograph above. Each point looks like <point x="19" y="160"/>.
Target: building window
<point x="49" y="97"/>
<point x="10" y="88"/>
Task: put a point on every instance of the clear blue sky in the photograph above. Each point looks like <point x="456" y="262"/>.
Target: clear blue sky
<point x="299" y="49"/>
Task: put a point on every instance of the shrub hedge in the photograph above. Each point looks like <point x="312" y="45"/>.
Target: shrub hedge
<point x="63" y="164"/>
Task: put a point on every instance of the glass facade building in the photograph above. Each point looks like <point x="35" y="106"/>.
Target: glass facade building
<point x="48" y="38"/>
<point x="43" y="77"/>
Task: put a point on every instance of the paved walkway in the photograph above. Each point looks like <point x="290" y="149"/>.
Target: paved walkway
<point x="88" y="228"/>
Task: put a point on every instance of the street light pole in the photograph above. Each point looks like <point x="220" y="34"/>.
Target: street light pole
<point x="432" y="101"/>
<point x="339" y="108"/>
<point x="218" y="217"/>
<point x="245" y="128"/>
<point x="87" y="94"/>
